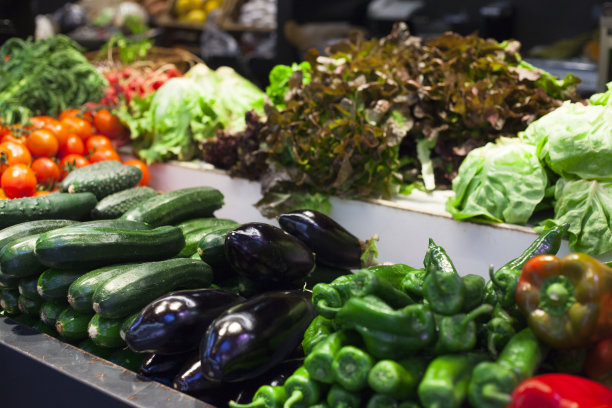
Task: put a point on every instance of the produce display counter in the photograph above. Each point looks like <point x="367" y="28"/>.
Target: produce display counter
<point x="41" y="371"/>
<point x="403" y="225"/>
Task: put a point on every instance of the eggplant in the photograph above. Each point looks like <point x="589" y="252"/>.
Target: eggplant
<point x="156" y="364"/>
<point x="333" y="245"/>
<point x="176" y="322"/>
<point x="265" y="253"/>
<point x="190" y="378"/>
<point x="250" y="338"/>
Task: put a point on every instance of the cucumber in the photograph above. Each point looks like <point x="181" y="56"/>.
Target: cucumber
<point x="43" y="328"/>
<point x="17" y="258"/>
<point x="105" y="332"/>
<point x="127" y="322"/>
<point x="116" y="204"/>
<point x="141" y="284"/>
<point x="27" y="287"/>
<point x="127" y="359"/>
<point x="176" y="206"/>
<point x="53" y="284"/>
<point x="80" y="292"/>
<point x="29" y="306"/>
<point x="8" y="301"/>
<point x="8" y="282"/>
<point x="195" y="229"/>
<point x="46" y="207"/>
<point x="211" y="248"/>
<point x="75" y="248"/>
<point x="50" y="310"/>
<point x="30" y="228"/>
<point x="114" y="223"/>
<point x="102" y="179"/>
<point x="72" y="325"/>
<point x="90" y="347"/>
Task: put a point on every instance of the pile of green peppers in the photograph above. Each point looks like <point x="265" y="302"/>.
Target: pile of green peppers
<point x="397" y="336"/>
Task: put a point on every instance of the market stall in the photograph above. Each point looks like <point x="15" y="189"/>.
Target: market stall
<point x="395" y="222"/>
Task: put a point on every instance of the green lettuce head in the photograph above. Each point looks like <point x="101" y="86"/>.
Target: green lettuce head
<point x="575" y="140"/>
<point x="499" y="182"/>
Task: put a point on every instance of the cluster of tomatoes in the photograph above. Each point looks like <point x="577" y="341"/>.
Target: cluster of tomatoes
<point x="34" y="158"/>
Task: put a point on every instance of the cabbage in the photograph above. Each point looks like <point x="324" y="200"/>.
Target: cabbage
<point x="587" y="206"/>
<point x="180" y="116"/>
<point x="234" y="95"/>
<point x="499" y="182"/>
<point x="575" y="140"/>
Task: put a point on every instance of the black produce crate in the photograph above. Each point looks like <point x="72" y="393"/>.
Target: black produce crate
<point x="41" y="371"/>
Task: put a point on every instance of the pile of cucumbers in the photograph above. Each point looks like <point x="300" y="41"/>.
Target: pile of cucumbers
<point x="89" y="263"/>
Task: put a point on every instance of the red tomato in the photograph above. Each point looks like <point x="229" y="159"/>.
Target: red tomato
<point x="104" y="154"/>
<point x="46" y="170"/>
<point x="15" y="153"/>
<point x="71" y="162"/>
<point x="143" y="168"/>
<point x="97" y="142"/>
<point x="10" y="137"/>
<point x="78" y="113"/>
<point x="73" y="145"/>
<point x="42" y="142"/>
<point x="108" y="124"/>
<point x="18" y="181"/>
<point x="78" y="126"/>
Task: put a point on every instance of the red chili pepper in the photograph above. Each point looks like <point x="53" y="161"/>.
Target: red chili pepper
<point x="561" y="391"/>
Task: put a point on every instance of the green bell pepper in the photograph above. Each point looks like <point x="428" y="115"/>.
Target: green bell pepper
<point x="492" y="383"/>
<point x="443" y="288"/>
<point x="445" y="384"/>
<point x="457" y="333"/>
<point x="388" y="333"/>
<point x="351" y="367"/>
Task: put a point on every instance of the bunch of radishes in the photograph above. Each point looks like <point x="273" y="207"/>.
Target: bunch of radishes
<point x="131" y="81"/>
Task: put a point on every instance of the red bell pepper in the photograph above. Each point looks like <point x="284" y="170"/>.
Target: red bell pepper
<point x="561" y="391"/>
<point x="598" y="362"/>
<point x="567" y="301"/>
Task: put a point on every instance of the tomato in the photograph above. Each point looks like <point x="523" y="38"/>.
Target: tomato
<point x="2" y="195"/>
<point x="60" y="131"/>
<point x="12" y="153"/>
<point x="10" y="137"/>
<point x="74" y="145"/>
<point x="40" y="193"/>
<point x="143" y="168"/>
<point x="77" y="113"/>
<point x="39" y="122"/>
<point x="104" y="154"/>
<point x="18" y="181"/>
<point x="71" y="162"/>
<point x="108" y="124"/>
<point x="46" y="170"/>
<point x="78" y="126"/>
<point x="42" y="142"/>
<point x="97" y="142"/>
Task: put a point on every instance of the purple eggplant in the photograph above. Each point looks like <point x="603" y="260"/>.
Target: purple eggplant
<point x="333" y="245"/>
<point x="190" y="379"/>
<point x="175" y="323"/>
<point x="250" y="338"/>
<point x="265" y="253"/>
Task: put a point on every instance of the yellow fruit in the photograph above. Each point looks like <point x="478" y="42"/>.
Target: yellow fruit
<point x="196" y="4"/>
<point x="182" y="7"/>
<point x="195" y="16"/>
<point x="210" y="5"/>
